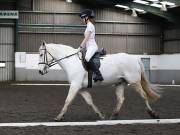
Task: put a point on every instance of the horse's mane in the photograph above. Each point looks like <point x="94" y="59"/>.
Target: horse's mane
<point x="63" y="49"/>
<point x="60" y="46"/>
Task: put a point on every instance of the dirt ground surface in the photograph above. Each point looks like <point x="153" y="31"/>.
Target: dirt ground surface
<point x="43" y="103"/>
<point x="172" y="129"/>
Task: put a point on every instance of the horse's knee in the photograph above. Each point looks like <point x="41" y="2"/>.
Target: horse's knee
<point x="75" y="87"/>
<point x="122" y="100"/>
<point x="67" y="101"/>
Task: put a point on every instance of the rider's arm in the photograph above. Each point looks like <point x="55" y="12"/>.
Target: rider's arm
<point x="83" y="43"/>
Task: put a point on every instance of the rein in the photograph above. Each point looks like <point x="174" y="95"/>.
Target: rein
<point x="54" y="61"/>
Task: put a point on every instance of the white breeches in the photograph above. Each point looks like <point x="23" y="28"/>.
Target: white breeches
<point x="91" y="50"/>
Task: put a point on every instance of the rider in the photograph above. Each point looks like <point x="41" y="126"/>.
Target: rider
<point x="89" y="42"/>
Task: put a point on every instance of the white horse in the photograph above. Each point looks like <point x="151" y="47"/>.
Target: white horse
<point x="119" y="69"/>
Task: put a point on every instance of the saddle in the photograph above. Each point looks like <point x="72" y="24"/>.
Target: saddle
<point x="95" y="59"/>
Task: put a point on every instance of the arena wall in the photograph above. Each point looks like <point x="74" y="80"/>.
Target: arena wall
<point x="56" y="21"/>
<point x="162" y="69"/>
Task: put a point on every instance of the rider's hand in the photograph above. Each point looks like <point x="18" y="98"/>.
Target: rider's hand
<point x="79" y="49"/>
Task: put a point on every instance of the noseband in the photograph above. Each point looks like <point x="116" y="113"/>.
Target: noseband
<point x="53" y="61"/>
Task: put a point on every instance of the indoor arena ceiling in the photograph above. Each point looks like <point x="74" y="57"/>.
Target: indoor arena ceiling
<point x="165" y="9"/>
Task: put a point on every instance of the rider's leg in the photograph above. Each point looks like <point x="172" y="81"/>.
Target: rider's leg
<point x="95" y="69"/>
<point x="91" y="50"/>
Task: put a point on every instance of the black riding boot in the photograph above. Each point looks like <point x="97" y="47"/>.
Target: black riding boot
<point x="95" y="68"/>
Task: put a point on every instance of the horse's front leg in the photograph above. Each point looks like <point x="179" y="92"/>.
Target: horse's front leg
<point x="88" y="98"/>
<point x="74" y="88"/>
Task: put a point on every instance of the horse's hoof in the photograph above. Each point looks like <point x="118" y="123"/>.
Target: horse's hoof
<point x="114" y="117"/>
<point x="58" y="119"/>
<point x="55" y="119"/>
<point x="153" y="114"/>
<point x="103" y="117"/>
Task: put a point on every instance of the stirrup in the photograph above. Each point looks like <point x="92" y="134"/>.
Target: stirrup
<point x="98" y="78"/>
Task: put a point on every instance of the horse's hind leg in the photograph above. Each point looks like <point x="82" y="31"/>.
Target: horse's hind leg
<point x="71" y="95"/>
<point x="140" y="90"/>
<point x="120" y="100"/>
<point x="88" y="98"/>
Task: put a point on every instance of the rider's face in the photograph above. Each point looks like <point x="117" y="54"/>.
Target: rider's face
<point x="85" y="20"/>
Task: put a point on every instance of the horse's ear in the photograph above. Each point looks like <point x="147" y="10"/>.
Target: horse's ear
<point x="43" y="43"/>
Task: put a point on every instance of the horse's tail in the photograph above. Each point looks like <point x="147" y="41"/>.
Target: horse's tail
<point x="151" y="91"/>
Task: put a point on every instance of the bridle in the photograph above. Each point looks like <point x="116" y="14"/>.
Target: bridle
<point x="53" y="61"/>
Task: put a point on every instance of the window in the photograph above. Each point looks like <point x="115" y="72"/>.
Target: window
<point x="2" y="64"/>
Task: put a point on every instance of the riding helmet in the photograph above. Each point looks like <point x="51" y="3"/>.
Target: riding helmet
<point x="87" y="13"/>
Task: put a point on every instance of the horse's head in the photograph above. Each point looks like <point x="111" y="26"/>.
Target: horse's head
<point x="43" y="59"/>
<point x="51" y="54"/>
